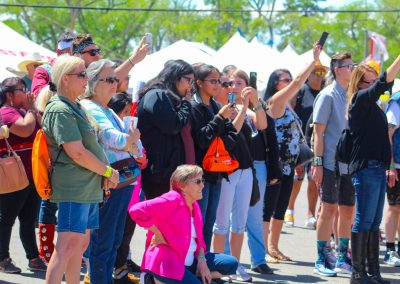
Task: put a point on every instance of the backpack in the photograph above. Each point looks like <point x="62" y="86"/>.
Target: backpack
<point x="42" y="168"/>
<point x="217" y="158"/>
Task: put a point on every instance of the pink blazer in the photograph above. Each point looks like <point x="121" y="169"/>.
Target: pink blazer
<point x="171" y="215"/>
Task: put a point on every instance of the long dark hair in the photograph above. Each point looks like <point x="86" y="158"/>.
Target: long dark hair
<point x="119" y="101"/>
<point x="166" y="80"/>
<point x="201" y="71"/>
<point x="273" y="82"/>
<point x="8" y="86"/>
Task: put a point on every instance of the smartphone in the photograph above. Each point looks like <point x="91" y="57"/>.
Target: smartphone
<point x="323" y="38"/>
<point x="149" y="40"/>
<point x="232" y="99"/>
<point x="253" y="80"/>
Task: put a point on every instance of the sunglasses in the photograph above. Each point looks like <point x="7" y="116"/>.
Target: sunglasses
<point x="368" y="82"/>
<point x="24" y="90"/>
<point x="80" y="75"/>
<point x="213" y="81"/>
<point x="319" y="73"/>
<point x="286" y="80"/>
<point x="348" y="66"/>
<point x="199" y="181"/>
<point x="110" y="80"/>
<point x="188" y="79"/>
<point x="92" y="52"/>
<point x="227" y="84"/>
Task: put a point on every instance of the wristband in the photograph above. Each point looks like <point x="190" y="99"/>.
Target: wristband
<point x="108" y="172"/>
<point x="258" y="107"/>
<point x="201" y="257"/>
<point x="392" y="166"/>
<point x="131" y="62"/>
<point x="317" y="161"/>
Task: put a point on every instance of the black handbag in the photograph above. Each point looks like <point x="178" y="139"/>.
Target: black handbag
<point x="306" y="153"/>
<point x="255" y="191"/>
<point x="344" y="147"/>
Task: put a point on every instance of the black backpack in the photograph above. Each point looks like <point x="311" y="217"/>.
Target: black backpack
<point x="344" y="147"/>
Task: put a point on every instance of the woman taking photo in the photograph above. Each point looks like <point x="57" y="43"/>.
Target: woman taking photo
<point x="209" y="121"/>
<point x="119" y="145"/>
<point x="233" y="207"/>
<point x="74" y="149"/>
<point x="21" y="126"/>
<point x="175" y="249"/>
<point x="280" y="90"/>
<point x="370" y="158"/>
<point x="164" y="111"/>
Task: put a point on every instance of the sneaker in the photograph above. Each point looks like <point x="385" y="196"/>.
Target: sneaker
<point x="289" y="218"/>
<point x="37" y="264"/>
<point x="311" y="223"/>
<point x="122" y="275"/>
<point x="343" y="267"/>
<point x="331" y="257"/>
<point x="263" y="269"/>
<point x="7" y="266"/>
<point x="392" y="258"/>
<point x="241" y="275"/>
<point x="86" y="279"/>
<point x="324" y="269"/>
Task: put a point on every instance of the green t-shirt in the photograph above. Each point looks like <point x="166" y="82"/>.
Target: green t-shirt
<point x="64" y="121"/>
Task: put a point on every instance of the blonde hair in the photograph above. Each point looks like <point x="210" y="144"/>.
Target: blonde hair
<point x="182" y="175"/>
<point x="357" y="75"/>
<point x="63" y="65"/>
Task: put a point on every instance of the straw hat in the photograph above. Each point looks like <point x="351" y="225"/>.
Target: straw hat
<point x="32" y="58"/>
<point x="318" y="65"/>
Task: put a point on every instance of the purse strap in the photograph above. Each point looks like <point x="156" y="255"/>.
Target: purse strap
<point x="297" y="123"/>
<point x="10" y="149"/>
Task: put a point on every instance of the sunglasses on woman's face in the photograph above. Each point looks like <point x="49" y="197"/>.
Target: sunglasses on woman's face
<point x="199" y="181"/>
<point x="227" y="84"/>
<point x="285" y="80"/>
<point x="213" y="81"/>
<point x="110" y="80"/>
<point x="92" y="52"/>
<point x="80" y="75"/>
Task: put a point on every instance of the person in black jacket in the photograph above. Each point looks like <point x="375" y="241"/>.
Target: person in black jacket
<point x="370" y="159"/>
<point x="209" y="121"/>
<point x="163" y="112"/>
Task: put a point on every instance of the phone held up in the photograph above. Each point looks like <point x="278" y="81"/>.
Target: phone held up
<point x="322" y="39"/>
<point x="232" y="99"/>
<point x="253" y="80"/>
<point x="149" y="41"/>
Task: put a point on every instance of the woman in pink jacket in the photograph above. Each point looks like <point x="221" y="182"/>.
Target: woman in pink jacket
<point x="175" y="249"/>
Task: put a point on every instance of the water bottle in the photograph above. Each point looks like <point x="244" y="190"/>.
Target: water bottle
<point x="253" y="127"/>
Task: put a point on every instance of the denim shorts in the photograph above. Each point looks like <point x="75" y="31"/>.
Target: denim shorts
<point x="77" y="217"/>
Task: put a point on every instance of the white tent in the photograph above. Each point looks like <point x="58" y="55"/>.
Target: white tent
<point x="14" y="46"/>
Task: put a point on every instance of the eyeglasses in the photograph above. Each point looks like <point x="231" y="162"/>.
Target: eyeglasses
<point x="188" y="79"/>
<point x="213" y="81"/>
<point x="110" y="80"/>
<point x="319" y="73"/>
<point x="368" y="82"/>
<point x="286" y="80"/>
<point x="227" y="84"/>
<point x="348" y="66"/>
<point x="24" y="90"/>
<point x="199" y="181"/>
<point x="80" y="75"/>
<point x="92" y="52"/>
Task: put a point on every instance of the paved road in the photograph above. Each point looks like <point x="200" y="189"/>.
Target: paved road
<point x="297" y="242"/>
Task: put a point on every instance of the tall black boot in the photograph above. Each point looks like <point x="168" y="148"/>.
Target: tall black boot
<point x="359" y="243"/>
<point x="373" y="259"/>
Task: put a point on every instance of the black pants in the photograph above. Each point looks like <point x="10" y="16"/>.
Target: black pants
<point x="276" y="199"/>
<point x="23" y="204"/>
<point x="123" y="250"/>
<point x="154" y="189"/>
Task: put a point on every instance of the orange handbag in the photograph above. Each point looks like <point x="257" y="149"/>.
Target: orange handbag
<point x="217" y="158"/>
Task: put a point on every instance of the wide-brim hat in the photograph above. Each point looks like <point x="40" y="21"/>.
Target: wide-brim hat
<point x="319" y="65"/>
<point x="32" y="58"/>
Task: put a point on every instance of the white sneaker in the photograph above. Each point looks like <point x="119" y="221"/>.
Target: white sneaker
<point x="241" y="275"/>
<point x="311" y="223"/>
<point x="392" y="258"/>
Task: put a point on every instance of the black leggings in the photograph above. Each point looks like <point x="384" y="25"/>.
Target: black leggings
<point x="23" y="204"/>
<point x="154" y="189"/>
<point x="276" y="199"/>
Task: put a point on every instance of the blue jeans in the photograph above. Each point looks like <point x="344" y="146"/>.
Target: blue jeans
<point x="47" y="213"/>
<point x="370" y="187"/>
<point x="254" y="225"/>
<point x="105" y="241"/>
<point x="222" y="263"/>
<point x="208" y="206"/>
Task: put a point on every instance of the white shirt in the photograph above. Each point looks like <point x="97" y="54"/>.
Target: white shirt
<point x="193" y="246"/>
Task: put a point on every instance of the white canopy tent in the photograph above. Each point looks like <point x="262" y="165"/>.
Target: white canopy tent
<point x="13" y="48"/>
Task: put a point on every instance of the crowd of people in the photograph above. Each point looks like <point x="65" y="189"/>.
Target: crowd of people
<point x="115" y="164"/>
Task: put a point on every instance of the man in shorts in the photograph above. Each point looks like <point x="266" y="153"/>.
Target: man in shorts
<point x="335" y="189"/>
<point x="393" y="191"/>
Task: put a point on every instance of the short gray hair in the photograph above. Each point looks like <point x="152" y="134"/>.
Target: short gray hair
<point x="93" y="71"/>
<point x="183" y="174"/>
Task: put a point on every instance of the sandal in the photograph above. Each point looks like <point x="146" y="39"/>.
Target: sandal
<point x="271" y="259"/>
<point x="275" y="253"/>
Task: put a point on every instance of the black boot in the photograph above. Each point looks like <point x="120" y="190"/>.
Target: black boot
<point x="359" y="243"/>
<point x="373" y="259"/>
